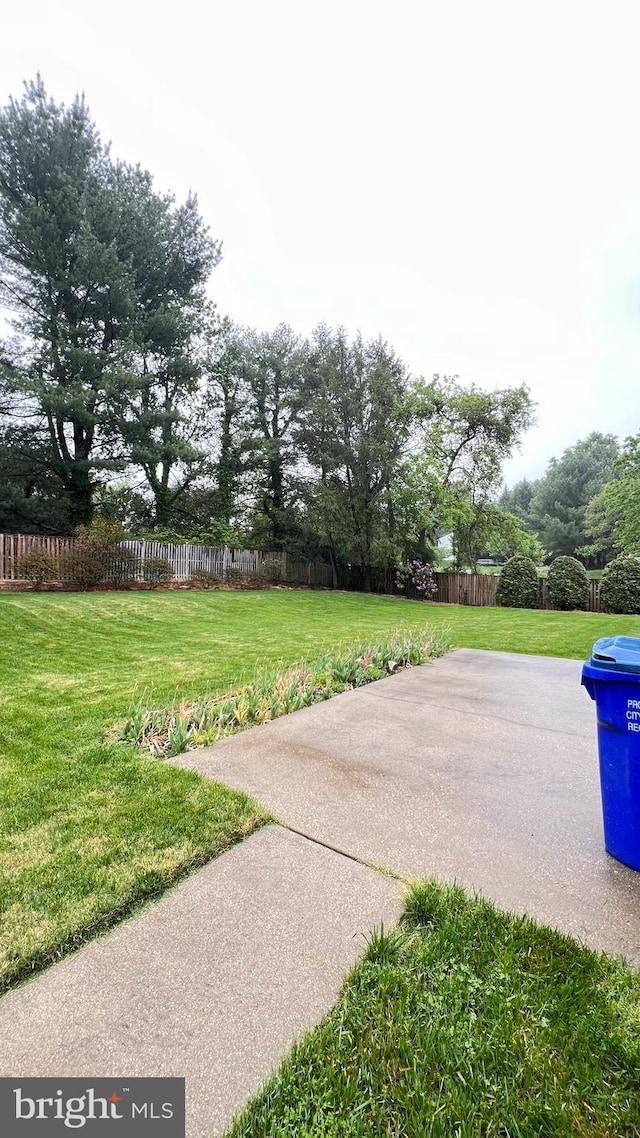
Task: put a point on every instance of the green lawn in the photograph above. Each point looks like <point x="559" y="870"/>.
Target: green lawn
<point x="89" y="829"/>
<point x="468" y="1023"/>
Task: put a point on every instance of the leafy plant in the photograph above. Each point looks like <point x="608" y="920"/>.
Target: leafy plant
<point x="168" y="731"/>
<point x="37" y="567"/>
<point x="518" y="583"/>
<point x="272" y="570"/>
<point x="122" y="566"/>
<point x="620" y="585"/>
<point x="568" y="584"/>
<point x="207" y="578"/>
<point x="420" y="575"/>
<point x="84" y="565"/>
<point x="234" y="577"/>
<point x="157" y="571"/>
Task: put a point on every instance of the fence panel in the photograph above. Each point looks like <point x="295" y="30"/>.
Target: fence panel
<point x="13" y="546"/>
<point x="475" y="589"/>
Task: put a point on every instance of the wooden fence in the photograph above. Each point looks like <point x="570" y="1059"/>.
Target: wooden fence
<point x="184" y="559"/>
<point x="15" y="545"/>
<point x="476" y="589"/>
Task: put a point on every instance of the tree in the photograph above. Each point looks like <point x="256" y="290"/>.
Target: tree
<point x="100" y="274"/>
<point x="354" y="433"/>
<point x="163" y="411"/>
<point x="622" y="498"/>
<point x="466" y="436"/>
<point x="487" y="528"/>
<point x="227" y="365"/>
<point x="517" y="500"/>
<point x="275" y="365"/>
<point x="559" y="504"/>
<point x="600" y="526"/>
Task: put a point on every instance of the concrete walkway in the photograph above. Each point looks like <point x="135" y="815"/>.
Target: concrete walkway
<point x="214" y="982"/>
<point x="480" y="767"/>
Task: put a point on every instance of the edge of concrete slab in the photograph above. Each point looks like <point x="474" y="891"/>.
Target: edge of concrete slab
<point x="215" y="981"/>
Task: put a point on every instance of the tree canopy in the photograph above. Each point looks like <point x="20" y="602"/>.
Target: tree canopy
<point x="103" y="278"/>
<point x="558" y="506"/>
<point x="123" y="390"/>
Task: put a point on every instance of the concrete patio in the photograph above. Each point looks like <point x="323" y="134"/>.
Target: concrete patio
<point x="480" y="767"/>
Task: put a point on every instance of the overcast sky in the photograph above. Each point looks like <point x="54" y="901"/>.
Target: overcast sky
<point x="463" y="178"/>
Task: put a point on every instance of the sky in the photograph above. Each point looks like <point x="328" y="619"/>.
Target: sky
<point x="462" y="178"/>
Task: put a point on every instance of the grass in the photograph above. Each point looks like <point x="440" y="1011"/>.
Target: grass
<point x="465" y="1023"/>
<point x="172" y="730"/>
<point x="89" y="829"/>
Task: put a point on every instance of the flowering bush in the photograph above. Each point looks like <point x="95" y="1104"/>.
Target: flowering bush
<point x="421" y="576"/>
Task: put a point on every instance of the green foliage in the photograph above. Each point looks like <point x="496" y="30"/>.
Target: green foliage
<point x="518" y="583"/>
<point x="568" y="584"/>
<point x="122" y="567"/>
<point x="234" y="577"/>
<point x="168" y="731"/>
<point x="272" y="570"/>
<point x="84" y="565"/>
<point x="487" y="529"/>
<point x="622" y="498"/>
<point x="620" y="585"/>
<point x="600" y="526"/>
<point x="559" y="505"/>
<point x="353" y="430"/>
<point x="106" y="279"/>
<point x="517" y="500"/>
<point x="102" y="532"/>
<point x="157" y="571"/>
<point x="207" y="579"/>
<point x="37" y="567"/>
<point x="467" y="435"/>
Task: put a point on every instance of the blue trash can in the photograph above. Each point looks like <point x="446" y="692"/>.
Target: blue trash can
<point x="612" y="677"/>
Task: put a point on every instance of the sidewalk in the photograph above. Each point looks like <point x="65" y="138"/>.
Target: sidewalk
<point x="213" y="982"/>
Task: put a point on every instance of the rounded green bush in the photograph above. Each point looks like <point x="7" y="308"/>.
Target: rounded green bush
<point x="157" y="571"/>
<point x="37" y="567"/>
<point x="518" y="583"/>
<point x="568" y="584"/>
<point x="620" y="585"/>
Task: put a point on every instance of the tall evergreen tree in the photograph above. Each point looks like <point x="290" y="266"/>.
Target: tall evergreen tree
<point x="103" y="278"/>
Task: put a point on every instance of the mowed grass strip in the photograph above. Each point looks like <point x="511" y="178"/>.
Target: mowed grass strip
<point x="466" y="1022"/>
<point x="90" y="829"/>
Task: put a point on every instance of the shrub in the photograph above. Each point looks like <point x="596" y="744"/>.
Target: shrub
<point x="37" y="567"/>
<point x="420" y="574"/>
<point x="568" y="584"/>
<point x="157" y="571"/>
<point x="518" y="583"/>
<point x="122" y="566"/>
<point x="252" y="581"/>
<point x="207" y="579"/>
<point x="272" y="570"/>
<point x="234" y="577"/>
<point x="620" y="585"/>
<point x="84" y="565"/>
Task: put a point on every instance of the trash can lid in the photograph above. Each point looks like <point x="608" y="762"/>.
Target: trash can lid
<point x="617" y="653"/>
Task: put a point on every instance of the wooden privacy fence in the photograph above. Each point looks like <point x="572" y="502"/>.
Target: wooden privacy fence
<point x="184" y="559"/>
<point x="476" y="589"/>
<point x="15" y="545"/>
